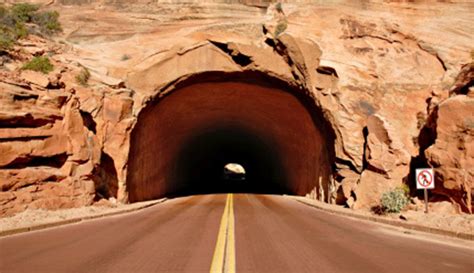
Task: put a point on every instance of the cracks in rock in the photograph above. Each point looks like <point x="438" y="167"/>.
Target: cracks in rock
<point x="390" y="41"/>
<point x="299" y="70"/>
<point x="237" y="57"/>
<point x="463" y="90"/>
<point x="464" y="80"/>
<point x="17" y="84"/>
<point x="327" y="70"/>
<point x="344" y="162"/>
<point x="25" y="184"/>
<point x="144" y="18"/>
<point x="281" y="49"/>
<point x="430" y="51"/>
<point x="24" y="138"/>
<point x="426" y="138"/>
<point x="356" y="30"/>
<point x="441" y="62"/>
<point x="27" y="121"/>
<point x="185" y="50"/>
<point x="353" y="195"/>
<point x="326" y="81"/>
<point x="88" y="121"/>
<point x="270" y="42"/>
<point x="105" y="178"/>
<point x="428" y="134"/>
<point x="147" y="57"/>
<point x="25" y="97"/>
<point x="55" y="161"/>
<point x="365" y="164"/>
<point x="10" y="187"/>
<point x="422" y="47"/>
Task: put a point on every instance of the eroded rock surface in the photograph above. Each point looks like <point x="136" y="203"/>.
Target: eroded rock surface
<point x="452" y="154"/>
<point x="392" y="82"/>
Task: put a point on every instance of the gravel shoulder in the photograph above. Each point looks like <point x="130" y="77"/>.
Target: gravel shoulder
<point x="454" y="225"/>
<point x="34" y="219"/>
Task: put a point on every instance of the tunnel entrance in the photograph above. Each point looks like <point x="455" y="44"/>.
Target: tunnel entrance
<point x="182" y="142"/>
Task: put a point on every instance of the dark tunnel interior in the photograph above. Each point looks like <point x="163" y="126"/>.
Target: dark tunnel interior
<point x="182" y="142"/>
<point x="201" y="163"/>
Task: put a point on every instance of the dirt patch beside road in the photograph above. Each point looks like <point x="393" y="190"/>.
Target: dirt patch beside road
<point x="33" y="219"/>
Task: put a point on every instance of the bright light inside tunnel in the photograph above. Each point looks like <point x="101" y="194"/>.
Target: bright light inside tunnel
<point x="183" y="143"/>
<point x="233" y="172"/>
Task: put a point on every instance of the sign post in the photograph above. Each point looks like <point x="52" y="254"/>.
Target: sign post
<point x="426" y="200"/>
<point x="425" y="181"/>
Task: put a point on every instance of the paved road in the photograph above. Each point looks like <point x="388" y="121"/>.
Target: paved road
<point x="242" y="233"/>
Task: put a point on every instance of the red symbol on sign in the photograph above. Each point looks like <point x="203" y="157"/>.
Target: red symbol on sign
<point x="424" y="178"/>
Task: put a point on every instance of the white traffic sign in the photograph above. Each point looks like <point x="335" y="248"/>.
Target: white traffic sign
<point x="424" y="179"/>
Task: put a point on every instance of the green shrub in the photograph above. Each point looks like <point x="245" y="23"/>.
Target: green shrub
<point x="279" y="7"/>
<point x="20" y="31"/>
<point x="9" y="36"/>
<point x="48" y="22"/>
<point x="394" y="200"/>
<point x="40" y="64"/>
<point x="6" y="41"/>
<point x="6" y="19"/>
<point x="280" y="28"/>
<point x="125" y="57"/>
<point x="406" y="189"/>
<point x="24" y="12"/>
<point x="83" y="77"/>
<point x="6" y="37"/>
<point x="3" y="10"/>
<point x="14" y="22"/>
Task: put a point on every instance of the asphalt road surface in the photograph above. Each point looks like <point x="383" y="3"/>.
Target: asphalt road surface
<point x="229" y="233"/>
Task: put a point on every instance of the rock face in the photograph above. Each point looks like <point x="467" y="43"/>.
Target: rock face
<point x="386" y="93"/>
<point x="52" y="137"/>
<point x="452" y="154"/>
<point x="386" y="162"/>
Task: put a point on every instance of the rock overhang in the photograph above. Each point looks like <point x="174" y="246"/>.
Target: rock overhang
<point x="264" y="70"/>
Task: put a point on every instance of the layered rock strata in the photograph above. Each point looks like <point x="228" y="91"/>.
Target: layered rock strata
<point x="387" y="92"/>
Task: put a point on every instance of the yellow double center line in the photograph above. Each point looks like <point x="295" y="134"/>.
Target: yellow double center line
<point x="224" y="254"/>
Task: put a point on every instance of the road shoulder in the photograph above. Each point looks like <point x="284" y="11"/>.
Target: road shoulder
<point x="396" y="223"/>
<point x="40" y="219"/>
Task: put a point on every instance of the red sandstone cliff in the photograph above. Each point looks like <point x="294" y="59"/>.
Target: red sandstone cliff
<point x="392" y="81"/>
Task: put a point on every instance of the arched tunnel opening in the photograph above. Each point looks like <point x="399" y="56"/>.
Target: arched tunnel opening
<point x="183" y="140"/>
